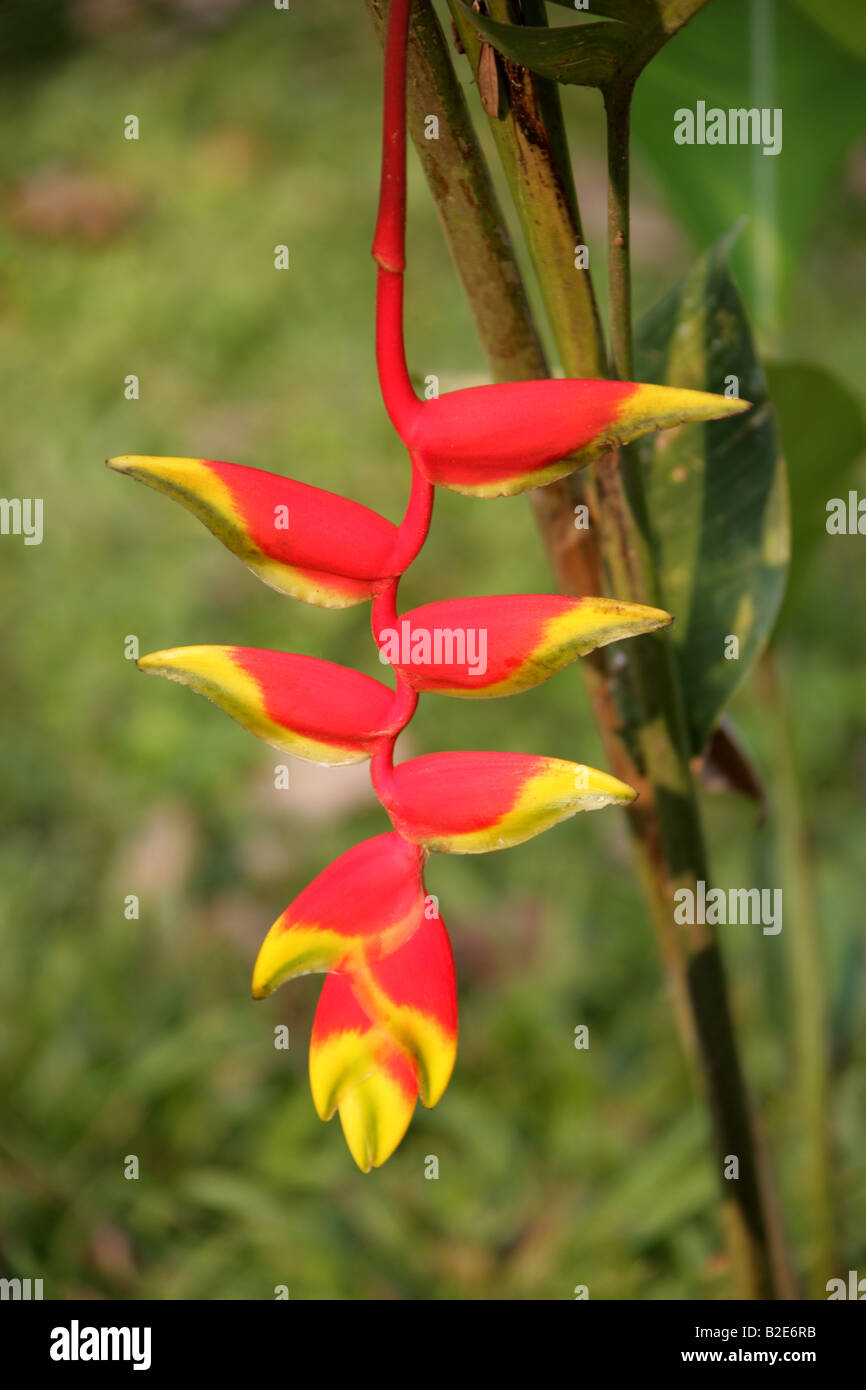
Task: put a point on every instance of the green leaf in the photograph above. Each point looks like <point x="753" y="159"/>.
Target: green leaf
<point x="632" y="11"/>
<point x="717" y="493"/>
<point x="585" y="55"/>
<point x="844" y="22"/>
<point x="819" y="89"/>
<point x="823" y="435"/>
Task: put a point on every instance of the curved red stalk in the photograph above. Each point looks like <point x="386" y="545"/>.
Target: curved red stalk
<point x="382" y="765"/>
<point x="389" y="248"/>
<point x="398" y="392"/>
<point x="401" y="402"/>
<point x="413" y="529"/>
<point x="389" y="242"/>
<point x="383" y="611"/>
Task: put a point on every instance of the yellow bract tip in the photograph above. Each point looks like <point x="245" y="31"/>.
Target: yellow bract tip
<point x="661" y="407"/>
<point x="375" y="1115"/>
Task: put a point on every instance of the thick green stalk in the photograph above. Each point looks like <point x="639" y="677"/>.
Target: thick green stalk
<point x="807" y="978"/>
<point x="540" y="180"/>
<point x="663" y="739"/>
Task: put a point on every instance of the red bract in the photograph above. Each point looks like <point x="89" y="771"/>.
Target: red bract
<point x="363" y="1073"/>
<point x="310" y="544"/>
<point x="468" y="803"/>
<point x="384" y="1035"/>
<point x="362" y="907"/>
<point x="301" y="705"/>
<point x="494" y="441"/>
<point x="483" y="647"/>
<point x="386" y="1026"/>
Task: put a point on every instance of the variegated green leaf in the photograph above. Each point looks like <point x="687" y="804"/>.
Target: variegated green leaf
<point x="585" y="55"/>
<point x="718" y="494"/>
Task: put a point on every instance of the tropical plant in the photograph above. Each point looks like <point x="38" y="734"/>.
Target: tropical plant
<point x="694" y="523"/>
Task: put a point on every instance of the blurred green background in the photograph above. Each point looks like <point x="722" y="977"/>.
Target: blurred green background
<point x="557" y="1167"/>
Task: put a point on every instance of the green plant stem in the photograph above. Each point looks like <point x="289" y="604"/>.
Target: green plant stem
<point x="530" y="141"/>
<point x="807" y="977"/>
<point x="663" y="739"/>
<point x="617" y="107"/>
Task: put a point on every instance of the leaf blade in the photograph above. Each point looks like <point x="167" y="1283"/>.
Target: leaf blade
<point x="583" y="55"/>
<point x="717" y="494"/>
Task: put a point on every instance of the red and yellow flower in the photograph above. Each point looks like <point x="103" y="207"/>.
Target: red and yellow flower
<point x="299" y="704"/>
<point x="484" y="647"/>
<point x="385" y="1031"/>
<point x="364" y="906"/>
<point x="302" y="541"/>
<point x="495" y="441"/>
<point x="383" y="1036"/>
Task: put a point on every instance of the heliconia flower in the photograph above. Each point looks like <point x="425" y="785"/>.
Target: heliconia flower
<point x="360" y="908"/>
<point x="468" y="803"/>
<point x="302" y="541"/>
<point x="361" y="1072"/>
<point x="385" y="1030"/>
<point x="497" y="646"/>
<point x="404" y="1005"/>
<point x="300" y="704"/>
<point x="495" y="441"/>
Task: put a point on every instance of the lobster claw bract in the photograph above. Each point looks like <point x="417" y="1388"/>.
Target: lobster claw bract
<point x="302" y="705"/>
<point x="363" y="906"/>
<point x="494" y="441"/>
<point x="484" y="647"/>
<point x="303" y="541"/>
<point x="383" y="1036"/>
<point x="468" y="803"/>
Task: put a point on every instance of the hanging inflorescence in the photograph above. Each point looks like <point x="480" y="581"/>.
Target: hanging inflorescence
<point x="385" y="1030"/>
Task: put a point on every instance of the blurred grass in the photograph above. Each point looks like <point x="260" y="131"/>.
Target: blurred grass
<point x="119" y="1037"/>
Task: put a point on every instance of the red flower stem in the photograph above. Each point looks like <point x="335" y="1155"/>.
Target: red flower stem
<point x="389" y="243"/>
<point x="389" y="249"/>
<point x="382" y="761"/>
<point x="401" y="402"/>
<point x="389" y="252"/>
<point x="384" y="610"/>
<point x="382" y="773"/>
<point x="384" y="615"/>
<point x="403" y="707"/>
<point x="398" y="392"/>
<point x="415" y="525"/>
